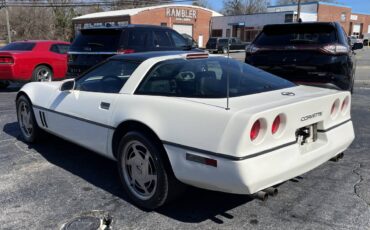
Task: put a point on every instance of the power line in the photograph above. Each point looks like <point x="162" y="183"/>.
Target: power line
<point x="87" y="4"/>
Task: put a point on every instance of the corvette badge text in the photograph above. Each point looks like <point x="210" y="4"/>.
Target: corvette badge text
<point x="305" y="118"/>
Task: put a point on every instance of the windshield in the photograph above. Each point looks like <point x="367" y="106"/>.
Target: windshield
<point x="282" y="35"/>
<point x="212" y="40"/>
<point x="103" y="40"/>
<point x="207" y="78"/>
<point x="19" y="46"/>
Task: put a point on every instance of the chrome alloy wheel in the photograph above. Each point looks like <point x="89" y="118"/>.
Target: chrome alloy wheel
<point x="139" y="170"/>
<point x="25" y="119"/>
<point x="43" y="74"/>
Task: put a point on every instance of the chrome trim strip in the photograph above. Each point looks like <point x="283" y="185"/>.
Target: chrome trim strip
<point x="74" y="117"/>
<point x="333" y="127"/>
<point x="75" y="52"/>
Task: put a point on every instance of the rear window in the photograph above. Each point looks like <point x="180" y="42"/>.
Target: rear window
<point x="283" y="35"/>
<point x="207" y="78"/>
<point x="106" y="40"/>
<point x="20" y="46"/>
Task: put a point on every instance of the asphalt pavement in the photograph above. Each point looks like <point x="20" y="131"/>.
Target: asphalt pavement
<point x="46" y="185"/>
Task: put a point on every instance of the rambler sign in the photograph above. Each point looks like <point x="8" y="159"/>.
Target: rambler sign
<point x="181" y="14"/>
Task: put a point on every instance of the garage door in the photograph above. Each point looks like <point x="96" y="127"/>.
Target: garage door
<point x="183" y="29"/>
<point x="356" y="28"/>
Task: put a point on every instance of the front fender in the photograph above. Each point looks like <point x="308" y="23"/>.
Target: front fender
<point x="39" y="93"/>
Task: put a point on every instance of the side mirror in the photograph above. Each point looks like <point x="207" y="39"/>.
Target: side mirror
<point x="68" y="85"/>
<point x="357" y="46"/>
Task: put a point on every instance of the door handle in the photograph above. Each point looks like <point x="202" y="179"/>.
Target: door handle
<point x="104" y="105"/>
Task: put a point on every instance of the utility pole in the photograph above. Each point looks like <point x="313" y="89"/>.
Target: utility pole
<point x="299" y="11"/>
<point x="3" y="5"/>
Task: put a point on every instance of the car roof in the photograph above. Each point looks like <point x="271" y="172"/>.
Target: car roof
<point x="301" y="23"/>
<point x="140" y="57"/>
<point x="128" y="26"/>
<point x="42" y="41"/>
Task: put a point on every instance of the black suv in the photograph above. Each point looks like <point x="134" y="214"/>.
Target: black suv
<point x="316" y="54"/>
<point x="94" y="45"/>
<point x="217" y="45"/>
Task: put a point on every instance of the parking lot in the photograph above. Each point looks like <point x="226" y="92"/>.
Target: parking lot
<point x="46" y="185"/>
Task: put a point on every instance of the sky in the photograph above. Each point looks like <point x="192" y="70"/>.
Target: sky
<point x="358" y="6"/>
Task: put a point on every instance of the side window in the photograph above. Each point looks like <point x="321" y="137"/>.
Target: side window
<point x="161" y="39"/>
<point x="137" y="38"/>
<point x="178" y="40"/>
<point x="59" y="48"/>
<point x="233" y="41"/>
<point x="109" y="77"/>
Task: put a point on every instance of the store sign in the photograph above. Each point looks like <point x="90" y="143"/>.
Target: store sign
<point x="181" y="14"/>
<point x="354" y="17"/>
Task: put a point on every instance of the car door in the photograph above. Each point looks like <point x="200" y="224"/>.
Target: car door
<point x="82" y="115"/>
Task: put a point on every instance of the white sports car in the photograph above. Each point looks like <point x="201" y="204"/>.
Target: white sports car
<point x="206" y="121"/>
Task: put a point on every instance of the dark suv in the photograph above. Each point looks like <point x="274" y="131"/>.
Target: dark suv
<point x="307" y="53"/>
<point x="94" y="45"/>
<point x="217" y="45"/>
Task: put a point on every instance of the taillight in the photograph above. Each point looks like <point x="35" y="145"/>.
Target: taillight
<point x="6" y="60"/>
<point x="126" y="51"/>
<point x="334" y="108"/>
<point x="255" y="130"/>
<point x="335" y="49"/>
<point x="252" y="49"/>
<point x="276" y="124"/>
<point x="344" y="105"/>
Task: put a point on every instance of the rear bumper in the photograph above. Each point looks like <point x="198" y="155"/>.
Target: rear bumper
<point x="254" y="174"/>
<point x="7" y="72"/>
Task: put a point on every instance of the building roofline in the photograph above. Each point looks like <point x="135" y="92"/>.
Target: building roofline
<point x="134" y="11"/>
<point x="280" y="12"/>
<point x="311" y="3"/>
<point x="363" y="13"/>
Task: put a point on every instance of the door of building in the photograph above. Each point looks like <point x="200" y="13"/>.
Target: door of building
<point x="183" y="29"/>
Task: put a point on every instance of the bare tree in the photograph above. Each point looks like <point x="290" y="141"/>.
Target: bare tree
<point x="237" y="7"/>
<point x="282" y="2"/>
<point x="202" y="3"/>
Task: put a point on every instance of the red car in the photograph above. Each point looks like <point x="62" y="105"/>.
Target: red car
<point x="33" y="61"/>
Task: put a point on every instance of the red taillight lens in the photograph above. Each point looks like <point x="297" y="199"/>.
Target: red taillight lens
<point x="126" y="51"/>
<point x="6" y="60"/>
<point x="333" y="109"/>
<point x="275" y="125"/>
<point x="255" y="130"/>
<point x="344" y="104"/>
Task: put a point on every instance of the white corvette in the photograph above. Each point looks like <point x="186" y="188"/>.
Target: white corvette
<point x="207" y="121"/>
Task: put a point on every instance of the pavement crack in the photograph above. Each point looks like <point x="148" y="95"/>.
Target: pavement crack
<point x="357" y="184"/>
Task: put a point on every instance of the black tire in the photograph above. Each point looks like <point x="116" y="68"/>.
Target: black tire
<point x="42" y="73"/>
<point x="167" y="186"/>
<point x="28" y="135"/>
<point x="4" y="84"/>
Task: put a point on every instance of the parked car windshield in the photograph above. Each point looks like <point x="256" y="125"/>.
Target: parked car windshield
<point x="97" y="40"/>
<point x="19" y="46"/>
<point x="207" y="78"/>
<point x="282" y="35"/>
<point x="212" y="40"/>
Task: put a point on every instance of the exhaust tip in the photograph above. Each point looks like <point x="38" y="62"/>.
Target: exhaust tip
<point x="261" y="195"/>
<point x="341" y="155"/>
<point x="271" y="191"/>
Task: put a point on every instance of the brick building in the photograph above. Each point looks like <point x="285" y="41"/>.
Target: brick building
<point x="191" y="20"/>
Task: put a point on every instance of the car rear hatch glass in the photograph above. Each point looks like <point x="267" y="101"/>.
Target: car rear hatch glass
<point x="91" y="47"/>
<point x="19" y="46"/>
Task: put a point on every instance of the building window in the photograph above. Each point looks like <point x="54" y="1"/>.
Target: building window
<point x="228" y="33"/>
<point x="343" y="17"/>
<point x="250" y="35"/>
<point x="216" y="33"/>
<point x="288" y="18"/>
<point x="164" y="24"/>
